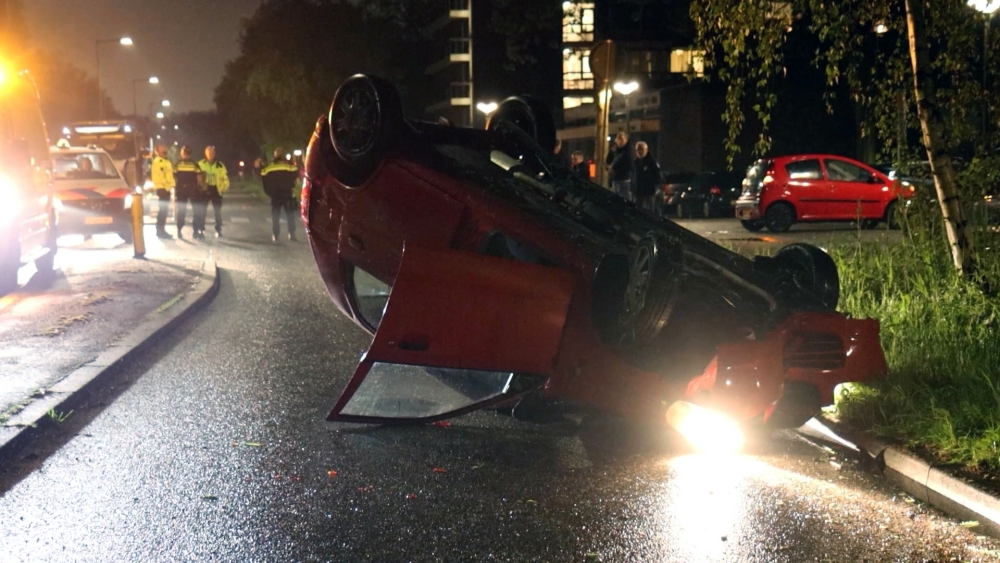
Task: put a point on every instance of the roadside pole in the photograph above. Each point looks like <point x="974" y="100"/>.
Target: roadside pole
<point x="137" y="224"/>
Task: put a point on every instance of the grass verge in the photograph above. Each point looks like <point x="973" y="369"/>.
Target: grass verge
<point x="941" y="337"/>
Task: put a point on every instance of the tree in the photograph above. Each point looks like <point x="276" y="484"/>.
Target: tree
<point x="911" y="53"/>
<point x="293" y="56"/>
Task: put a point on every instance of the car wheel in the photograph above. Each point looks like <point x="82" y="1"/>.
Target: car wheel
<point x="798" y="403"/>
<point x="10" y="261"/>
<point x="869" y="224"/>
<point x="779" y="217"/>
<point x="365" y="118"/>
<point x="812" y="271"/>
<point x="891" y="216"/>
<point x="653" y="274"/>
<point x="46" y="264"/>
<point x="529" y="115"/>
<point x="752" y="226"/>
<point x="706" y="210"/>
<point x="126" y="235"/>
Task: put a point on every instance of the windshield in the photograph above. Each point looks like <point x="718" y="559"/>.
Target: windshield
<point x="84" y="166"/>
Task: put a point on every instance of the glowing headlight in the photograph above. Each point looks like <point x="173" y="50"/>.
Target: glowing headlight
<point x="128" y="201"/>
<point x="706" y="430"/>
<point x="10" y="200"/>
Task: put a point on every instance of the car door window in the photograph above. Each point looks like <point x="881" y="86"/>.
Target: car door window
<point x="842" y="171"/>
<point x="804" y="170"/>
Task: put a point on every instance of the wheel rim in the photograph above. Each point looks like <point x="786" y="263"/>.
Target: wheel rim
<point x="355" y="121"/>
<point x="638" y="282"/>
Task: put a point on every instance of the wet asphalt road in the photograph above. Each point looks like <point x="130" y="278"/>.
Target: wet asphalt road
<point x="214" y="447"/>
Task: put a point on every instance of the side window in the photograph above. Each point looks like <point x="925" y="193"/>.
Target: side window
<point x="371" y="296"/>
<point x="804" y="170"/>
<point x="841" y="171"/>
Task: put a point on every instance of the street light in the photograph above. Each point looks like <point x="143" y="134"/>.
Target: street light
<point x="487" y="107"/>
<point x="150" y="80"/>
<point x="165" y="103"/>
<point x="626" y="88"/>
<point x="124" y="41"/>
<point x="159" y="115"/>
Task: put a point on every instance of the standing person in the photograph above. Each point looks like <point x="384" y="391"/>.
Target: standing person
<point x="279" y="177"/>
<point x="559" y="155"/>
<point x="162" y="176"/>
<point x="645" y="177"/>
<point x="620" y="162"/>
<point x="216" y="184"/>
<point x="578" y="166"/>
<point x="190" y="179"/>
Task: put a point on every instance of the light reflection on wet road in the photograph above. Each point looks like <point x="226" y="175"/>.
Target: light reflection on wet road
<point x="213" y="447"/>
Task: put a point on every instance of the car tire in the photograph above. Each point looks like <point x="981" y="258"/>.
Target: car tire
<point x="366" y="118"/>
<point x="812" y="271"/>
<point x="46" y="264"/>
<point x="706" y="210"/>
<point x="752" y="225"/>
<point x="779" y="217"/>
<point x="529" y="115"/>
<point x="890" y="215"/>
<point x="654" y="270"/>
<point x="869" y="224"/>
<point x="127" y="235"/>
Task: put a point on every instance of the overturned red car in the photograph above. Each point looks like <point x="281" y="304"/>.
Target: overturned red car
<point x="491" y="275"/>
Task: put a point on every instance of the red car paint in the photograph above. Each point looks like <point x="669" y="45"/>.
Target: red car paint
<point x="819" y="187"/>
<point x="422" y="231"/>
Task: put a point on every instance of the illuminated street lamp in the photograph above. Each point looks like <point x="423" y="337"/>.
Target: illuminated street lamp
<point x="123" y="41"/>
<point x="159" y="115"/>
<point x="165" y="103"/>
<point x="150" y="80"/>
<point x="487" y="107"/>
<point x="626" y="88"/>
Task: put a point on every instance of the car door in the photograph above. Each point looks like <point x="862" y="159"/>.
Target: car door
<point x="853" y="193"/>
<point x="459" y="331"/>
<point x="806" y="189"/>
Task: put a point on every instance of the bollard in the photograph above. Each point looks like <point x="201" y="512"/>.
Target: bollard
<point x="137" y="224"/>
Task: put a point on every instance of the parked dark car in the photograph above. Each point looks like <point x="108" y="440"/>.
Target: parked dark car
<point x="674" y="184"/>
<point x="490" y="276"/>
<point x="709" y="194"/>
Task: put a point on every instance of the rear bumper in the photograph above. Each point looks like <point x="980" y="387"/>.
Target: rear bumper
<point x="110" y="217"/>
<point x="748" y="209"/>
<point x="822" y="350"/>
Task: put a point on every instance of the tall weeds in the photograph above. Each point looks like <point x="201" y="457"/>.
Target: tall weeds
<point x="941" y="337"/>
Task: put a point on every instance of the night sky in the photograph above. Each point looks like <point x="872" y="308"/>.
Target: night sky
<point x="185" y="43"/>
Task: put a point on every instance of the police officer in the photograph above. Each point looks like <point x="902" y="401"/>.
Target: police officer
<point x="279" y="178"/>
<point x="162" y="176"/>
<point x="216" y="183"/>
<point x="190" y="179"/>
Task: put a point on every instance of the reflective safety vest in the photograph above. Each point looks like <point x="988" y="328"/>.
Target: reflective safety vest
<point x="188" y="174"/>
<point x="279" y="177"/>
<point x="215" y="174"/>
<point x="162" y="174"/>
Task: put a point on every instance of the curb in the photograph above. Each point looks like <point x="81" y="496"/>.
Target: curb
<point x="924" y="481"/>
<point x="34" y="419"/>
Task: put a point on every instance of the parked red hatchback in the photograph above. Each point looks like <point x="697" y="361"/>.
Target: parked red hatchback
<point x="779" y="192"/>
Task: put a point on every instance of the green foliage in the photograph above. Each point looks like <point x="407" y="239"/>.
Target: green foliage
<point x="749" y="43"/>
<point x="293" y="56"/>
<point x="939" y="336"/>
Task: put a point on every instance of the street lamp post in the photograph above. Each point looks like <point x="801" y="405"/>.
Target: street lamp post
<point x="124" y="41"/>
<point x="150" y="80"/>
<point x="987" y="7"/>
<point x="626" y="88"/>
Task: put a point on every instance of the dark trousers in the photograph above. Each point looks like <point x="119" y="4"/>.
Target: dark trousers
<point x="182" y="197"/>
<point x="288" y="205"/>
<point x="216" y="198"/>
<point x="163" y="210"/>
<point x="200" y="204"/>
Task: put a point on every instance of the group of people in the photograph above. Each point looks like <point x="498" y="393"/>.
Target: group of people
<point x="198" y="182"/>
<point x="635" y="179"/>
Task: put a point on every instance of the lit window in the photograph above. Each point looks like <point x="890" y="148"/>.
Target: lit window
<point x="576" y="70"/>
<point x="575" y="102"/>
<point x="687" y="61"/>
<point x="578" y="22"/>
